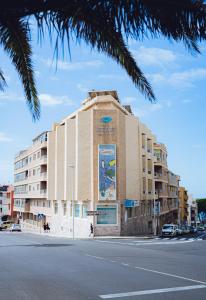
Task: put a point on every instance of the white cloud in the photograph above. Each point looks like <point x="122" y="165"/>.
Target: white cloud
<point x="147" y="109"/>
<point x="199" y="146"/>
<point x="50" y="100"/>
<point x="4" y="137"/>
<point x="129" y="100"/>
<point x="154" y="56"/>
<point x="82" y="88"/>
<point x="10" y="97"/>
<point x="184" y="79"/>
<point x="112" y="76"/>
<point x="54" y="78"/>
<point x="66" y="66"/>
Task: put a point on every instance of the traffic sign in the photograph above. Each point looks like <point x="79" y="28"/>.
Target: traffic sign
<point x="95" y="212"/>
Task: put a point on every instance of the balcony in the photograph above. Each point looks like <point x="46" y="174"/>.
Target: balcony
<point x="43" y="176"/>
<point x="25" y="207"/>
<point x="43" y="192"/>
<point x="43" y="158"/>
<point x="161" y="194"/>
<point x="160" y="176"/>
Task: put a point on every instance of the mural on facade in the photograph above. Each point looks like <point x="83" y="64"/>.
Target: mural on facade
<point x="107" y="172"/>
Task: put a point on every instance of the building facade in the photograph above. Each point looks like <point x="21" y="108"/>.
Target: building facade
<point x="183" y="198"/>
<point x="6" y="202"/>
<point x="99" y="159"/>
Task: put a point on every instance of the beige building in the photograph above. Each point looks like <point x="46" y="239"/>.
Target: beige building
<point x="100" y="158"/>
<point x="183" y="197"/>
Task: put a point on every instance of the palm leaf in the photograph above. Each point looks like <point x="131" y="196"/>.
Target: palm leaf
<point x="14" y="35"/>
<point x="2" y="81"/>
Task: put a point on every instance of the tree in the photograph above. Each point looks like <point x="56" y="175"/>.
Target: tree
<point x="104" y="25"/>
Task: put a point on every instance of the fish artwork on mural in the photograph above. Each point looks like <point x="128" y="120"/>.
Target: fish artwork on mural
<point x="112" y="162"/>
<point x="103" y="164"/>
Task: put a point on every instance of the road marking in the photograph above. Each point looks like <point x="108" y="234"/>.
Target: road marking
<point x="97" y="257"/>
<point x="153" y="271"/>
<point x="149" y="292"/>
<point x="124" y="264"/>
<point x="170" y="242"/>
<point x="171" y="275"/>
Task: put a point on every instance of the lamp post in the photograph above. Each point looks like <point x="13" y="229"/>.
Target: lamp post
<point x="72" y="200"/>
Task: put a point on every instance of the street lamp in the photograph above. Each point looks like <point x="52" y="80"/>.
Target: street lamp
<point x="72" y="200"/>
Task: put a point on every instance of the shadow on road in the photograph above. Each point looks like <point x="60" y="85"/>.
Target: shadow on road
<point x="40" y="245"/>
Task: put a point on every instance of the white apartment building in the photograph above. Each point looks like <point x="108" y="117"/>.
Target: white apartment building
<point x="100" y="158"/>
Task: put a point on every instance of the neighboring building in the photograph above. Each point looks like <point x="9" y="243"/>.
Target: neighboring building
<point x="30" y="183"/>
<point x="166" y="188"/>
<point x="10" y="202"/>
<point x="201" y="210"/>
<point x="100" y="158"/>
<point x="183" y="206"/>
<point x="6" y="201"/>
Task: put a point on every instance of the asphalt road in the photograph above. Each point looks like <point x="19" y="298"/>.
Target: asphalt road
<point x="34" y="267"/>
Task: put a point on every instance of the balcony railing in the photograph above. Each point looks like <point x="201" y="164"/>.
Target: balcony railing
<point x="43" y="175"/>
<point x="43" y="191"/>
<point x="20" y="192"/>
<point x="161" y="193"/>
<point x="44" y="158"/>
<point x="160" y="176"/>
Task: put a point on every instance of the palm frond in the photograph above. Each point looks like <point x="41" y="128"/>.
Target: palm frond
<point x="14" y="35"/>
<point x="104" y="25"/>
<point x="2" y="81"/>
<point x="102" y="36"/>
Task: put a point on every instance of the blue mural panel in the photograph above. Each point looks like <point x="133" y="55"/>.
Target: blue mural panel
<point x="107" y="172"/>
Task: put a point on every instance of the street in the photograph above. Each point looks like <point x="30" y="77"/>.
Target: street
<point x="34" y="267"/>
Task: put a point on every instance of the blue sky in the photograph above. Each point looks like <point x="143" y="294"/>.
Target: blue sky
<point x="177" y="119"/>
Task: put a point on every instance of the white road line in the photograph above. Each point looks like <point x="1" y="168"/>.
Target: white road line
<point x="170" y="242"/>
<point x="97" y="257"/>
<point x="171" y="275"/>
<point x="149" y="292"/>
<point x="124" y="264"/>
<point x="154" y="271"/>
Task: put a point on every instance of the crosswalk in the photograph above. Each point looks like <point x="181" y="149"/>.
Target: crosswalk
<point x="179" y="238"/>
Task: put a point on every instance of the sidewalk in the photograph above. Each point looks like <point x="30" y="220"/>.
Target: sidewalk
<point x="141" y="237"/>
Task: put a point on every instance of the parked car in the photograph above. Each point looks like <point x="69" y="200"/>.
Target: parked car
<point x="185" y="229"/>
<point x="169" y="230"/>
<point x="200" y="228"/>
<point x="15" y="227"/>
<point x="5" y="224"/>
<point x="179" y="230"/>
<point x="193" y="229"/>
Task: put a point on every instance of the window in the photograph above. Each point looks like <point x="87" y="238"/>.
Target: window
<point x="34" y="156"/>
<point x="55" y="207"/>
<point x="84" y="210"/>
<point x="64" y="207"/>
<point x="30" y="188"/>
<point x="108" y="215"/>
<point x="34" y="172"/>
<point x="77" y="210"/>
<point x="38" y="154"/>
<point x="37" y="187"/>
<point x="129" y="212"/>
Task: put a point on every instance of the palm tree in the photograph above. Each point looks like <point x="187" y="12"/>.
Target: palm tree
<point x="104" y="25"/>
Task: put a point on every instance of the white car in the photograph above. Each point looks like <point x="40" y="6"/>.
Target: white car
<point x="15" y="227"/>
<point x="169" y="230"/>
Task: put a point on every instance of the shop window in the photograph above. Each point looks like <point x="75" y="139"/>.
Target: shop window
<point x="77" y="210"/>
<point x="108" y="215"/>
